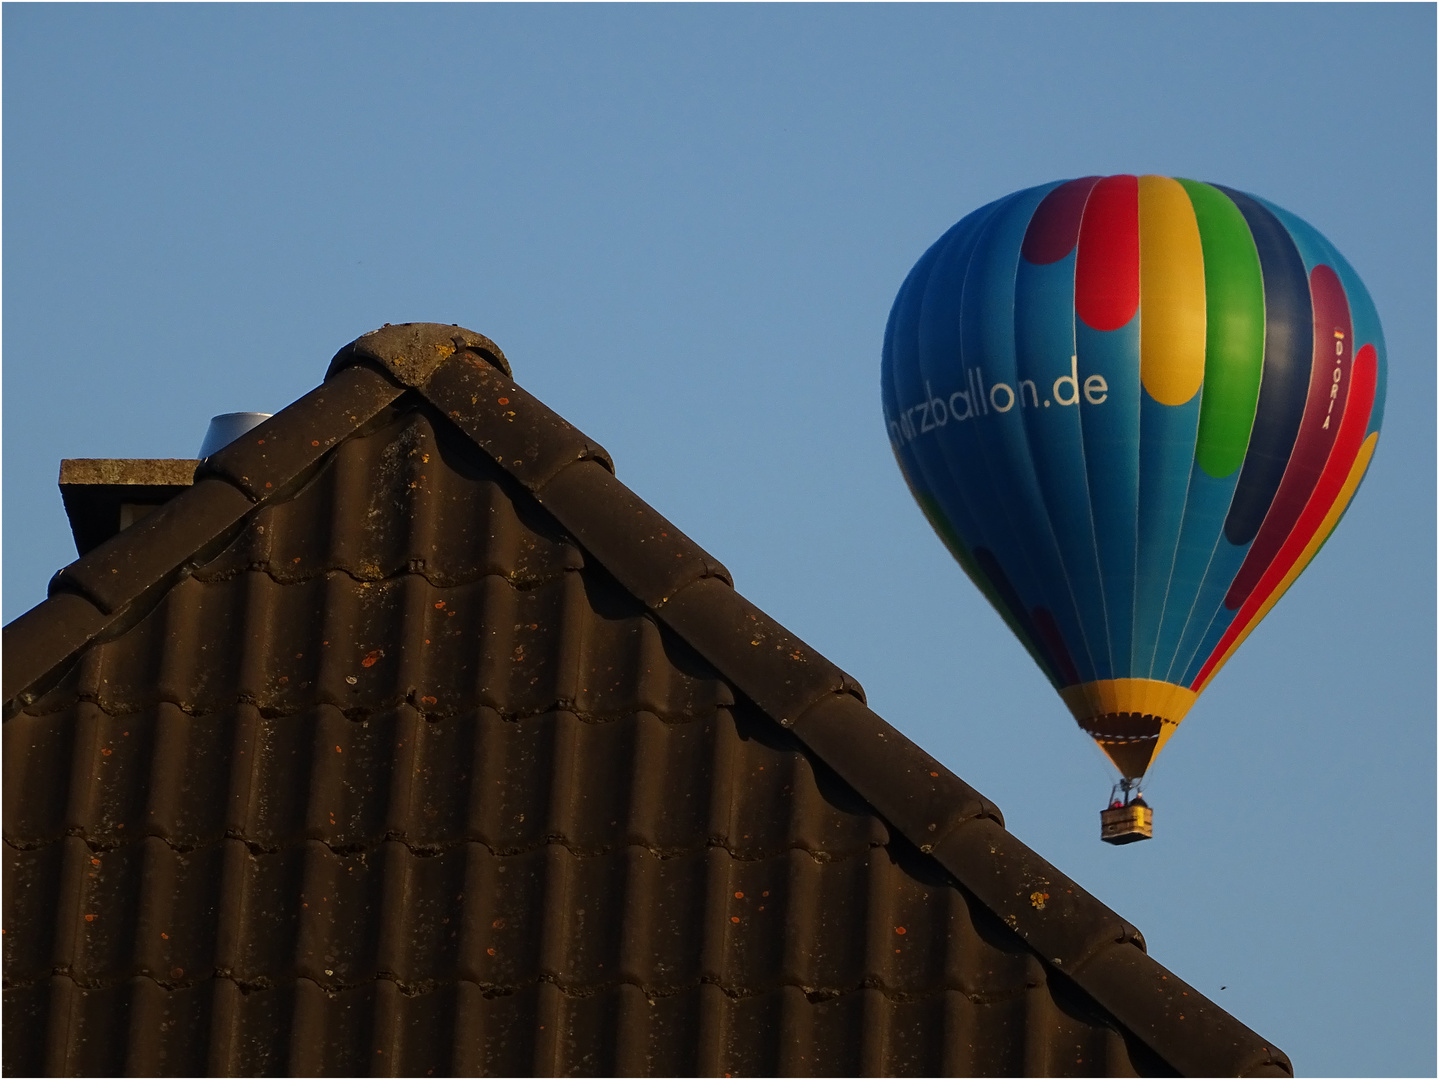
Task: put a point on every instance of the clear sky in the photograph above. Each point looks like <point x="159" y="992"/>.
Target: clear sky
<point x="685" y="226"/>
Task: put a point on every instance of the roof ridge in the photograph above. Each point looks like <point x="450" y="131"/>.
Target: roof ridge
<point x="467" y="378"/>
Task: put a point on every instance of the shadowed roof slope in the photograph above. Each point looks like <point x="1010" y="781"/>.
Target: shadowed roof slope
<point x="408" y="740"/>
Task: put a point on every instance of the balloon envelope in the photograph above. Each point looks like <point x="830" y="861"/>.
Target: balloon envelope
<point x="1133" y="408"/>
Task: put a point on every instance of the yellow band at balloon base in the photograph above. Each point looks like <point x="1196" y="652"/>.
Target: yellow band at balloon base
<point x="1130" y="719"/>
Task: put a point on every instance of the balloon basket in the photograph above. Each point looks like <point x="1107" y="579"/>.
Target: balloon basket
<point x="1126" y="824"/>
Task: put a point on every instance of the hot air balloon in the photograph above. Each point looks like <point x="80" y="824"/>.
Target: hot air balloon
<point x="1133" y="408"/>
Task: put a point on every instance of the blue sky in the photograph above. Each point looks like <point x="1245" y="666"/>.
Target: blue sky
<point x="685" y="226"/>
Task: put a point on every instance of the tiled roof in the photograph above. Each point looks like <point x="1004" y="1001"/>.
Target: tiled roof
<point x="409" y="741"/>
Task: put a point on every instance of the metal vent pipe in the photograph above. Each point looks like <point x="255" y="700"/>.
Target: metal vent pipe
<point x="227" y="427"/>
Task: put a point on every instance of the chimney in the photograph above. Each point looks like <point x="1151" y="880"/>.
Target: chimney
<point x="104" y="496"/>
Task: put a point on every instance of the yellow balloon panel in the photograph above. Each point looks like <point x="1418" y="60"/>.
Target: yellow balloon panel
<point x="1171" y="292"/>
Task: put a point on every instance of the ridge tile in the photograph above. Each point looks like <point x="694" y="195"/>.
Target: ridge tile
<point x="649" y="556"/>
<point x="914" y="791"/>
<point x="1062" y="922"/>
<point x="142" y="557"/>
<point x="525" y="438"/>
<point x="44" y="638"/>
<point x="775" y="669"/>
<point x="267" y="459"/>
<point x="410" y="352"/>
